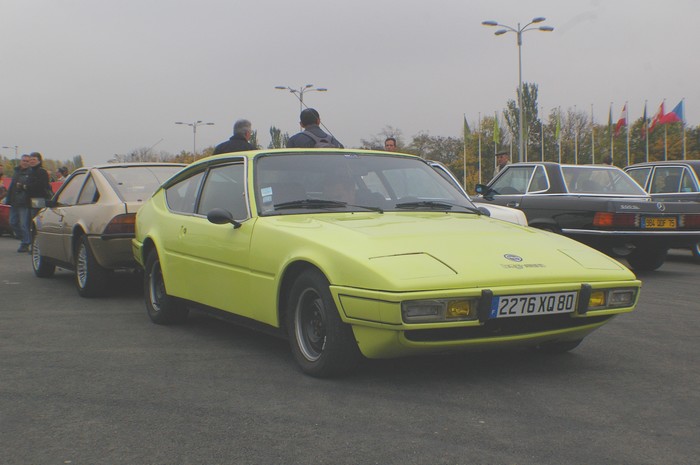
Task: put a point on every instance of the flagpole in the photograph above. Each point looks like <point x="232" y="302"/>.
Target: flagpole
<point x="592" y="138"/>
<point x="683" y="124"/>
<point x="464" y="161"/>
<point x="627" y="128"/>
<point x="610" y="133"/>
<point x="559" y="138"/>
<point x="542" y="134"/>
<point x="646" y="133"/>
<point x="479" y="147"/>
<point x="665" y="143"/>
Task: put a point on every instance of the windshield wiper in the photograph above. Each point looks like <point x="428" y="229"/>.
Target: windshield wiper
<point x="320" y="203"/>
<point x="436" y="206"/>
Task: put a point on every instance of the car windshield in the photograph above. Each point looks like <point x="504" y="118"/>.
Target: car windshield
<point x="298" y="182"/>
<point x="599" y="180"/>
<point x="138" y="183"/>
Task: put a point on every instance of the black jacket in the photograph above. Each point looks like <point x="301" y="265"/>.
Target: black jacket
<point x="235" y="144"/>
<point x="17" y="193"/>
<point x="301" y="140"/>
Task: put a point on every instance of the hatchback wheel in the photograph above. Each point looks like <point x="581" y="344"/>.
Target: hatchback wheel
<point x="322" y="344"/>
<point x="90" y="277"/>
<point x="162" y="308"/>
<point x="40" y="264"/>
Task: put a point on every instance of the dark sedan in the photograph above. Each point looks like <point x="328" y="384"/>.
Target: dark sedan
<point x="598" y="205"/>
<point x="668" y="181"/>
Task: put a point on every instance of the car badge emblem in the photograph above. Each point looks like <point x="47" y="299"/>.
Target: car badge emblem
<point x="513" y="258"/>
<point x="661" y="206"/>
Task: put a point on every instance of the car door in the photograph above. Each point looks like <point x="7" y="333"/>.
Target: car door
<point x="53" y="223"/>
<point x="674" y="183"/>
<point x="216" y="256"/>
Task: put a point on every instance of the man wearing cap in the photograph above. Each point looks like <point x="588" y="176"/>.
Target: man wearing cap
<point x="502" y="159"/>
<point x="310" y="121"/>
<point x="242" y="131"/>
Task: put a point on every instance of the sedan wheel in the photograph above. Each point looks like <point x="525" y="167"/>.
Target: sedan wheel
<point x="162" y="308"/>
<point x="40" y="264"/>
<point x="322" y="344"/>
<point x="90" y="277"/>
<point x="648" y="259"/>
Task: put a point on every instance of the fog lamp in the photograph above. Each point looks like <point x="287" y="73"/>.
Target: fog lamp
<point x="622" y="297"/>
<point x="597" y="299"/>
<point x="422" y="310"/>
<point x="461" y="310"/>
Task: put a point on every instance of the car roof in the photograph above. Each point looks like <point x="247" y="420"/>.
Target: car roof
<point x="693" y="163"/>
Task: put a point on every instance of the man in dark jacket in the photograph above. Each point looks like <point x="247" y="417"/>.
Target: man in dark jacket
<point x="242" y="130"/>
<point x="310" y="121"/>
<point x="20" y="203"/>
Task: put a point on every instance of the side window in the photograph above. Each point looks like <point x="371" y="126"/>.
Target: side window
<point x="224" y="188"/>
<point x="89" y="193"/>
<point x="69" y="193"/>
<point x="182" y="196"/>
<point x="640" y="175"/>
<point x="513" y="181"/>
<point x="687" y="182"/>
<point x="539" y="181"/>
<point x="666" y="179"/>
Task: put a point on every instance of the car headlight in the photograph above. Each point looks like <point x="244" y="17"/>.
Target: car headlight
<point x="611" y="298"/>
<point x="438" y="310"/>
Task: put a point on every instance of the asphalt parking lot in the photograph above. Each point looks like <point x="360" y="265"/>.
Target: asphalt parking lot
<point x="92" y="381"/>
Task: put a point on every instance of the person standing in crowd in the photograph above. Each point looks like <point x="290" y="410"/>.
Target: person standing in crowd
<point x="3" y="189"/>
<point x="312" y="135"/>
<point x="61" y="174"/>
<point x="19" y="201"/>
<point x="502" y="159"/>
<point x="390" y="144"/>
<point x="38" y="186"/>
<point x="239" y="141"/>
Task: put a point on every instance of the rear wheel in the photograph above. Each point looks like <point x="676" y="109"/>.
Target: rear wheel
<point x="40" y="264"/>
<point x="90" y="277"/>
<point x="322" y="344"/>
<point x="162" y="308"/>
<point x="648" y="259"/>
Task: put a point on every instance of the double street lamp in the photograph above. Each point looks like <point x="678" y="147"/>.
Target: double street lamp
<point x="16" y="147"/>
<point x="299" y="93"/>
<point x="194" y="133"/>
<point x="519" y="33"/>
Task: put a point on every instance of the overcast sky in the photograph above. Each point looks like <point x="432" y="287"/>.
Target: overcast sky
<point x="97" y="77"/>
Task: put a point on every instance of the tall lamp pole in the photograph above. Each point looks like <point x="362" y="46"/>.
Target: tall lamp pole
<point x="16" y="147"/>
<point x="299" y="93"/>
<point x="194" y="133"/>
<point x="519" y="33"/>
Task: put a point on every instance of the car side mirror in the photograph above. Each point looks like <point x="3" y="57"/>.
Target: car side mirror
<point x="484" y="211"/>
<point x="221" y="216"/>
<point x="485" y="191"/>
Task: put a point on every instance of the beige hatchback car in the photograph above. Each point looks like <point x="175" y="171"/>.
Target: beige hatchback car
<point x="88" y="225"/>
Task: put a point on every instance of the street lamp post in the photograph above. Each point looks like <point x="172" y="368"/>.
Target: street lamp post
<point x="519" y="33"/>
<point x="194" y="133"/>
<point x="16" y="147"/>
<point x="299" y="93"/>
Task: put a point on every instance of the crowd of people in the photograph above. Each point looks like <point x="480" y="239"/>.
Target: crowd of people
<point x="28" y="190"/>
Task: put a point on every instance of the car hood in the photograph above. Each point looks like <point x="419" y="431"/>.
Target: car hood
<point x="410" y="251"/>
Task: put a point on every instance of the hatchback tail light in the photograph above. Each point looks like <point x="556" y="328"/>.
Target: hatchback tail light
<point x="121" y="224"/>
<point x="609" y="220"/>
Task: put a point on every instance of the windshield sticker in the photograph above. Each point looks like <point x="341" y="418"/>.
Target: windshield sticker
<point x="266" y="194"/>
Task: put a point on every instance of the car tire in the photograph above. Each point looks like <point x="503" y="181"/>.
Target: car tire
<point x="90" y="277"/>
<point x="696" y="251"/>
<point x="648" y="259"/>
<point x="558" y="347"/>
<point x="322" y="344"/>
<point x="40" y="264"/>
<point x="162" y="309"/>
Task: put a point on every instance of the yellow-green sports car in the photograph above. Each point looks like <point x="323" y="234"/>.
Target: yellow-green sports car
<point x="355" y="253"/>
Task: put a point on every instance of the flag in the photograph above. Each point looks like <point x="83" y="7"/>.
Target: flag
<point x="645" y="122"/>
<point x="557" y="129"/>
<point x="467" y="131"/>
<point x="658" y="117"/>
<point x="496" y="131"/>
<point x="622" y="121"/>
<point x="674" y="116"/>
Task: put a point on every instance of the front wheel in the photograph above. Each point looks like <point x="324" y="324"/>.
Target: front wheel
<point x="91" y="278"/>
<point x="322" y="344"/>
<point x="648" y="259"/>
<point x="162" y="308"/>
<point x="40" y="264"/>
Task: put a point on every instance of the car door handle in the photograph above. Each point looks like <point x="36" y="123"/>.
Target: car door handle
<point x="513" y="204"/>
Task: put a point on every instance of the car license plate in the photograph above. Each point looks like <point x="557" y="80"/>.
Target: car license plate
<point x="506" y="306"/>
<point x="654" y="222"/>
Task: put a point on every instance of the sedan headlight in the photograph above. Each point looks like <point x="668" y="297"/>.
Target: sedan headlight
<point x="439" y="310"/>
<point x="611" y="298"/>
